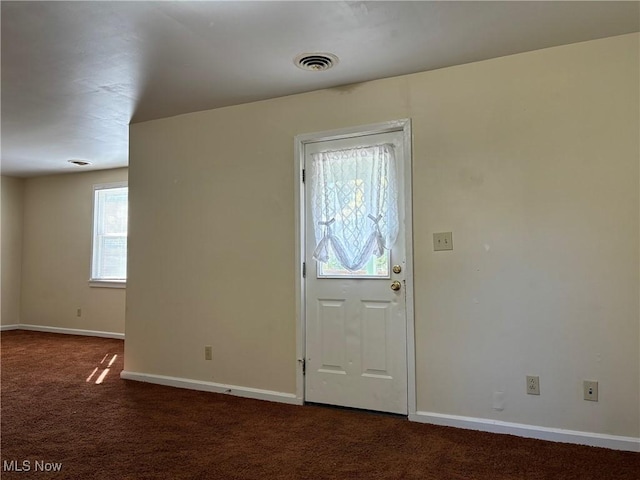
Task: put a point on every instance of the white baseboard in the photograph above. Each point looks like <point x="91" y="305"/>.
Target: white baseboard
<point x="71" y="331"/>
<point x="615" y="442"/>
<point x="201" y="385"/>
<point x="631" y="444"/>
<point x="5" y="328"/>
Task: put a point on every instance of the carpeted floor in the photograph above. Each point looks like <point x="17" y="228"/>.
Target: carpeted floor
<point x="128" y="430"/>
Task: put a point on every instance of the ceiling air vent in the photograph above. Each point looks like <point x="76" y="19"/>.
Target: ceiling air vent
<point x="316" y="62"/>
<point x="80" y="163"/>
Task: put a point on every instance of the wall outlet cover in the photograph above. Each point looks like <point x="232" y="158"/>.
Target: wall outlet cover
<point x="590" y="390"/>
<point x="533" y="385"/>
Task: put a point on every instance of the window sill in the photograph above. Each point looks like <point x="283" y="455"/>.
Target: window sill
<point x="108" y="283"/>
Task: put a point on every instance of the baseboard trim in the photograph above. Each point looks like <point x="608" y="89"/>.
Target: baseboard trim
<point x="201" y="385"/>
<point x="71" y="331"/>
<point x="6" y="328"/>
<point x="615" y="442"/>
<point x="631" y="444"/>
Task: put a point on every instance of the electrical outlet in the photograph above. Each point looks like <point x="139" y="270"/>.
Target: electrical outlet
<point x="79" y="312"/>
<point x="533" y="385"/>
<point x="208" y="352"/>
<point x="590" y="390"/>
<point x="442" y="241"/>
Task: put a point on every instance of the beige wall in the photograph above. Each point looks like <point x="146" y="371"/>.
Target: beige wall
<point x="12" y="213"/>
<point x="57" y="255"/>
<point x="531" y="160"/>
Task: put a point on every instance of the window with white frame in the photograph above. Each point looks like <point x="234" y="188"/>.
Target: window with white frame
<point x="110" y="219"/>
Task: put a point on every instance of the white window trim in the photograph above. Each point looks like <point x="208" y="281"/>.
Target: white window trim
<point x="108" y="283"/>
<point x="98" y="282"/>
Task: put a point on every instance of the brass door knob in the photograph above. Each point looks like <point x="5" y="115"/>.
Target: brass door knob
<point x="395" y="285"/>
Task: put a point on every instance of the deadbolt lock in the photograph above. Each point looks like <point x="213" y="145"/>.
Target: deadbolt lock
<point x="396" y="269"/>
<point x="395" y="285"/>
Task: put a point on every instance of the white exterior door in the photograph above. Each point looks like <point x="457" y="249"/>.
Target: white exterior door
<point x="356" y="324"/>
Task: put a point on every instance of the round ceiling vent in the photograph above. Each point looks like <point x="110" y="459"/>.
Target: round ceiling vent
<point x="80" y="163"/>
<point x="316" y="62"/>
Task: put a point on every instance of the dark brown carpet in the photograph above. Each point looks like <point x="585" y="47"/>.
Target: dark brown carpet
<point x="129" y="430"/>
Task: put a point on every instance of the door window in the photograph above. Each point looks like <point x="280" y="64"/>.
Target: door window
<point x="354" y="210"/>
<point x="376" y="267"/>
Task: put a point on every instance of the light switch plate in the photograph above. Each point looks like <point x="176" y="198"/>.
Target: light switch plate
<point x="442" y="241"/>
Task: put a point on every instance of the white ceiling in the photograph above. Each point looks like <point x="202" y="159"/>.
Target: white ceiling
<point x="75" y="74"/>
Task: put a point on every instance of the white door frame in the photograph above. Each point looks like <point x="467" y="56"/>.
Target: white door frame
<point x="403" y="126"/>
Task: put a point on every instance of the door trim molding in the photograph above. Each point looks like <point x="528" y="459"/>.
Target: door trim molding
<point x="404" y="126"/>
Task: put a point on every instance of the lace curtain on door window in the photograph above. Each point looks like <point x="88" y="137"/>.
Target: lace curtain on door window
<point x="354" y="204"/>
